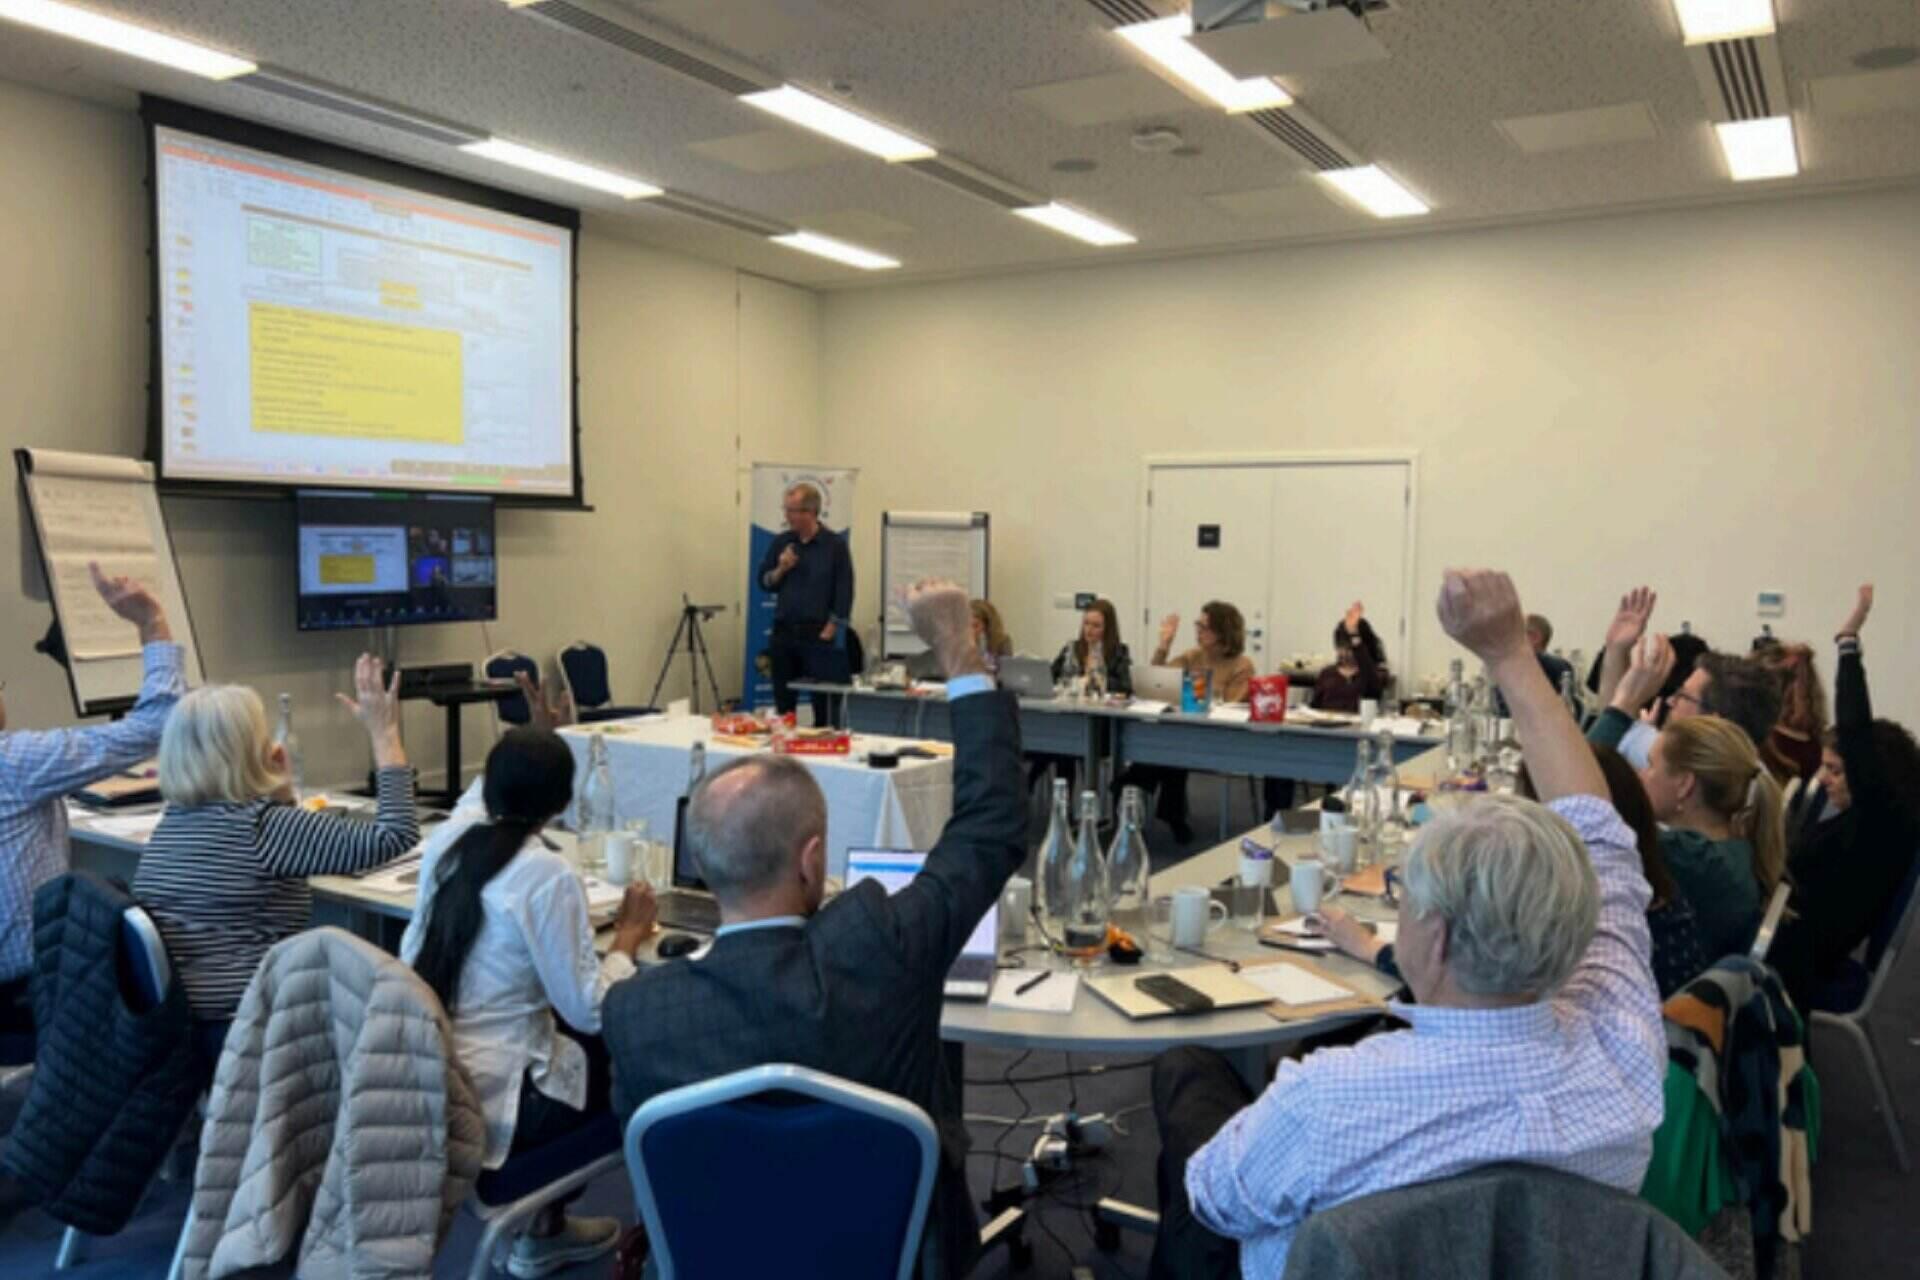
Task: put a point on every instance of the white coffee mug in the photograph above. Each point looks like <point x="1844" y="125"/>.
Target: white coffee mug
<point x="1369" y="710"/>
<point x="1340" y="847"/>
<point x="1312" y="881"/>
<point x="1331" y="821"/>
<point x="1195" y="912"/>
<point x="620" y="847"/>
<point x="1016" y="905"/>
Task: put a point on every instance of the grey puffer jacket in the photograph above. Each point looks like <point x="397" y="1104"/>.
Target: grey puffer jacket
<point x="339" y="1110"/>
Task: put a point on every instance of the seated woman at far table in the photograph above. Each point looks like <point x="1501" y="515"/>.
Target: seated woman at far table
<point x="1356" y="674"/>
<point x="990" y="633"/>
<point x="225" y="874"/>
<point x="1097" y="653"/>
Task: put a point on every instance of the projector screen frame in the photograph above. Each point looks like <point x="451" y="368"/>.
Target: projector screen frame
<point x="164" y="112"/>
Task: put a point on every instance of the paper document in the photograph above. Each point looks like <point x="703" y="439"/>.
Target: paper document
<point x="127" y="826"/>
<point x="1291" y="984"/>
<point x="1148" y="707"/>
<point x="1295" y="933"/>
<point x="1232" y="713"/>
<point x="402" y="875"/>
<point x="916" y="553"/>
<point x="1054" y="994"/>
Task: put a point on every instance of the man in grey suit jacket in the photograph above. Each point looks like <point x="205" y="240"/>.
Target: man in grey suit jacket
<point x="855" y="987"/>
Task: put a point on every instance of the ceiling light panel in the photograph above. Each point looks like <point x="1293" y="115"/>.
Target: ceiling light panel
<point x="797" y="106"/>
<point x="1375" y="190"/>
<point x="124" y="37"/>
<point x="1705" y="21"/>
<point x="840" y="251"/>
<point x="552" y="166"/>
<point x="1069" y="221"/>
<point x="1759" y="149"/>
<point x="1165" y="41"/>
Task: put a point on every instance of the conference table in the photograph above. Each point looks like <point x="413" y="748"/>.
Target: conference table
<point x="901" y="807"/>
<point x="1221" y="742"/>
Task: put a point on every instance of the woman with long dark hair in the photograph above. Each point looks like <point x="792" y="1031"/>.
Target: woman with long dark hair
<point x="502" y="935"/>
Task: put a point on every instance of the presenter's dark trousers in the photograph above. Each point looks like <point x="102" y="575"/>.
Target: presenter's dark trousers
<point x="798" y="653"/>
<point x="1195" y="1092"/>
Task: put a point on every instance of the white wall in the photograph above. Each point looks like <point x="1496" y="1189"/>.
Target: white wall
<point x="1715" y="401"/>
<point x="687" y="371"/>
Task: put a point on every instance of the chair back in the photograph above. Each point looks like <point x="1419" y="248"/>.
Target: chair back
<point x="503" y="664"/>
<point x="831" y="1178"/>
<point x="1770" y="923"/>
<point x="146" y="959"/>
<point x="1883" y="947"/>
<point x="583" y="671"/>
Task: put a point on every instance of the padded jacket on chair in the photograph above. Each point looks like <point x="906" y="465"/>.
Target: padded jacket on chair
<point x="338" y="1111"/>
<point x="112" y="1083"/>
<point x="1503" y="1220"/>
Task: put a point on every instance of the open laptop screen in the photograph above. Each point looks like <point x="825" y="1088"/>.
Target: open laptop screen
<point x="893" y="868"/>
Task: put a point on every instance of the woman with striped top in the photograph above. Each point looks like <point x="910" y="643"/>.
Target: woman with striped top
<point x="225" y="874"/>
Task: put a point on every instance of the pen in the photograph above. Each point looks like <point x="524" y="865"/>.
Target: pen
<point x="1032" y="982"/>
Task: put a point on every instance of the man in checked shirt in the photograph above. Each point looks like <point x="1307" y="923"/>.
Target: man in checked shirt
<point x="1536" y="1037"/>
<point x="38" y="770"/>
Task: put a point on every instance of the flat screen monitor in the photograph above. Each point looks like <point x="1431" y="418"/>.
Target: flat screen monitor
<point x="328" y="318"/>
<point x="386" y="559"/>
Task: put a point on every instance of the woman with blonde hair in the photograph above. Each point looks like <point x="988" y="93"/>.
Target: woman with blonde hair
<point x="989" y="633"/>
<point x="1725" y="836"/>
<point x="225" y="874"/>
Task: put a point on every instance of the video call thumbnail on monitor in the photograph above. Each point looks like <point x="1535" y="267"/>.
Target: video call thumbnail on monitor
<point x="370" y="559"/>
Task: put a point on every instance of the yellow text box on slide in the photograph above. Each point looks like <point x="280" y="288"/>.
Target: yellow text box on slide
<point x="346" y="571"/>
<point x="316" y="374"/>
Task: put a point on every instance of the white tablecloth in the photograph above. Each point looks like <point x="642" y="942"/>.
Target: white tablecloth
<point x="900" y="808"/>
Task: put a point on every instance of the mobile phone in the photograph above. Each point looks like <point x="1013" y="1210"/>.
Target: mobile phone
<point x="1173" y="993"/>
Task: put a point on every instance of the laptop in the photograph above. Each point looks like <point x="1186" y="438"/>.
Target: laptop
<point x="687" y="905"/>
<point x="1028" y="677"/>
<point x="1158" y="684"/>
<point x="971" y="976"/>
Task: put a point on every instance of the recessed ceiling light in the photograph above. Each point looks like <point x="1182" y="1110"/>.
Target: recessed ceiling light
<point x="1705" y="21"/>
<point x="1165" y="41"/>
<point x="124" y="37"/>
<point x="839" y="250"/>
<point x="584" y="175"/>
<point x="1374" y="190"/>
<point x="1069" y="221"/>
<point x="797" y="106"/>
<point x="1757" y="149"/>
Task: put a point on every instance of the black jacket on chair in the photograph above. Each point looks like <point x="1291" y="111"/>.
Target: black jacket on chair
<point x="112" y="1084"/>
<point x="857" y="991"/>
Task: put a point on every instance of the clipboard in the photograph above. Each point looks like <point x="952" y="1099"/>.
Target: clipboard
<point x="1355" y="1001"/>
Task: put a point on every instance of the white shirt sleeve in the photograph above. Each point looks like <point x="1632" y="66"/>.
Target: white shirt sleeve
<point x="559" y="936"/>
<point x="1636" y="744"/>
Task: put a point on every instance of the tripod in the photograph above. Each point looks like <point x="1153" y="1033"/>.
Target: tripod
<point x="691" y="616"/>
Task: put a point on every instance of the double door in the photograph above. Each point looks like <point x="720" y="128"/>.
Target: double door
<point x="1291" y="543"/>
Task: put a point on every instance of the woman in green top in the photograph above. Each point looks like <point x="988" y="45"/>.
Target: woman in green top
<point x="1724" y="838"/>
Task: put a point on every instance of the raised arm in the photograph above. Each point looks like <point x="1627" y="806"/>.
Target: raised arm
<point x="1853" y="709"/>
<point x="1628" y="625"/>
<point x="1480" y="609"/>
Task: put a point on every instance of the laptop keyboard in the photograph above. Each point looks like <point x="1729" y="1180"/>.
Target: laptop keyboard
<point x="695" y="911"/>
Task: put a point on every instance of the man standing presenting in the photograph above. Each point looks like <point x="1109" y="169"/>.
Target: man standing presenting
<point x="39" y="770"/>
<point x="810" y="570"/>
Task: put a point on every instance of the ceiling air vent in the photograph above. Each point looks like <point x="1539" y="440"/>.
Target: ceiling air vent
<point x="1304" y="136"/>
<point x="752" y="224"/>
<point x="662" y="50"/>
<point x="1124" y="13"/>
<point x="975" y="182"/>
<point x="1741" y="79"/>
<point x="388" y="115"/>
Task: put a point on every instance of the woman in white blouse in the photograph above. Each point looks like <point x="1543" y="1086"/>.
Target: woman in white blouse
<point x="502" y="935"/>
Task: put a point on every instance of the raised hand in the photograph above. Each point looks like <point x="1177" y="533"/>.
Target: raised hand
<point x="377" y="708"/>
<point x="940" y="615"/>
<point x="1169" y="628"/>
<point x="1861" y="608"/>
<point x="1355" y="612"/>
<point x="1630" y="621"/>
<point x="544" y="712"/>
<point x="129" y="600"/>
<point x="1480" y="610"/>
<point x="1646" y="674"/>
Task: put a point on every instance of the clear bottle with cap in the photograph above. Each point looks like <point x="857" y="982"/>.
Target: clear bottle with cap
<point x="1390" y="828"/>
<point x="1571" y="696"/>
<point x="594" y="808"/>
<point x="1127" y="866"/>
<point x="1363" y="808"/>
<point x="1051" y="863"/>
<point x="1086" y="907"/>
<point x="288" y="741"/>
<point x="1460" y="744"/>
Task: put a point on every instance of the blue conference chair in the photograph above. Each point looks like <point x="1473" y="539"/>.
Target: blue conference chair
<point x="584" y="675"/>
<point x="504" y="664"/>
<point x="150" y="975"/>
<point x="846" y="1169"/>
<point x="506" y="1198"/>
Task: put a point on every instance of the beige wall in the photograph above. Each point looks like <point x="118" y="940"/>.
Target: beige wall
<point x="687" y="370"/>
<point x="1716" y="401"/>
